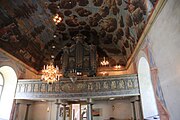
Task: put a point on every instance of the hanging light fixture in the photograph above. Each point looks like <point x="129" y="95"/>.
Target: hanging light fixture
<point x="104" y="62"/>
<point x="117" y="67"/>
<point x="57" y="19"/>
<point x="50" y="74"/>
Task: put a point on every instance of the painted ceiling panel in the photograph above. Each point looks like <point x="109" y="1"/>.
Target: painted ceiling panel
<point x="27" y="29"/>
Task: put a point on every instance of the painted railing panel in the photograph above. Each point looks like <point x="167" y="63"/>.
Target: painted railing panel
<point x="126" y="85"/>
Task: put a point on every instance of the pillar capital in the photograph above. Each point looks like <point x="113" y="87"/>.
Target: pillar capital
<point x="89" y="101"/>
<point x="57" y="104"/>
<point x="18" y="103"/>
<point x="28" y="105"/>
<point x="136" y="98"/>
<point x="27" y="112"/>
<point x="63" y="104"/>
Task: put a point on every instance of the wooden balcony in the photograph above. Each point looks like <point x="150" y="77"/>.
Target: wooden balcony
<point x="111" y="86"/>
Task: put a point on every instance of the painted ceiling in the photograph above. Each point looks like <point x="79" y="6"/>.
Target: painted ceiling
<point x="27" y="28"/>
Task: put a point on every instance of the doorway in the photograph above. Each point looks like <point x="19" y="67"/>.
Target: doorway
<point x="78" y="112"/>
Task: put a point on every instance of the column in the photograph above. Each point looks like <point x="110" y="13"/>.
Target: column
<point x="16" y="111"/>
<point x="89" y="109"/>
<point x="64" y="112"/>
<point x="57" y="110"/>
<point x="27" y="111"/>
<point x="133" y="111"/>
<point x="138" y="110"/>
<point x="136" y="106"/>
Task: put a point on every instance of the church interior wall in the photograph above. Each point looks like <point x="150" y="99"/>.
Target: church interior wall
<point x="163" y="39"/>
<point x="22" y="109"/>
<point x="21" y="70"/>
<point x="163" y="44"/>
<point x="38" y="110"/>
<point x="118" y="109"/>
<point x="43" y="111"/>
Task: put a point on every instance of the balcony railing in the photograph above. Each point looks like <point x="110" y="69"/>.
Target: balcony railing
<point x="126" y="85"/>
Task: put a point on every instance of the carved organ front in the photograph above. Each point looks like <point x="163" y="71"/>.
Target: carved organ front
<point x="79" y="59"/>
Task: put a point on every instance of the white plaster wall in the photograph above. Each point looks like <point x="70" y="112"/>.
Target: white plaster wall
<point x="39" y="111"/>
<point x="164" y="37"/>
<point x="121" y="111"/>
<point x="106" y="109"/>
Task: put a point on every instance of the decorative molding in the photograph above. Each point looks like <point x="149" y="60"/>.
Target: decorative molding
<point x="82" y="88"/>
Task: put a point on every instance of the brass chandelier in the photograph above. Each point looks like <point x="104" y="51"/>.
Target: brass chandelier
<point x="104" y="62"/>
<point x="50" y="74"/>
<point x="57" y="19"/>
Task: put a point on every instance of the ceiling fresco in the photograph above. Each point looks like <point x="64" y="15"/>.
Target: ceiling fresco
<point x="27" y="30"/>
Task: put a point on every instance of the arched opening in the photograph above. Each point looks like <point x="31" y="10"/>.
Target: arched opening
<point x="148" y="102"/>
<point x="1" y="84"/>
<point x="7" y="96"/>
